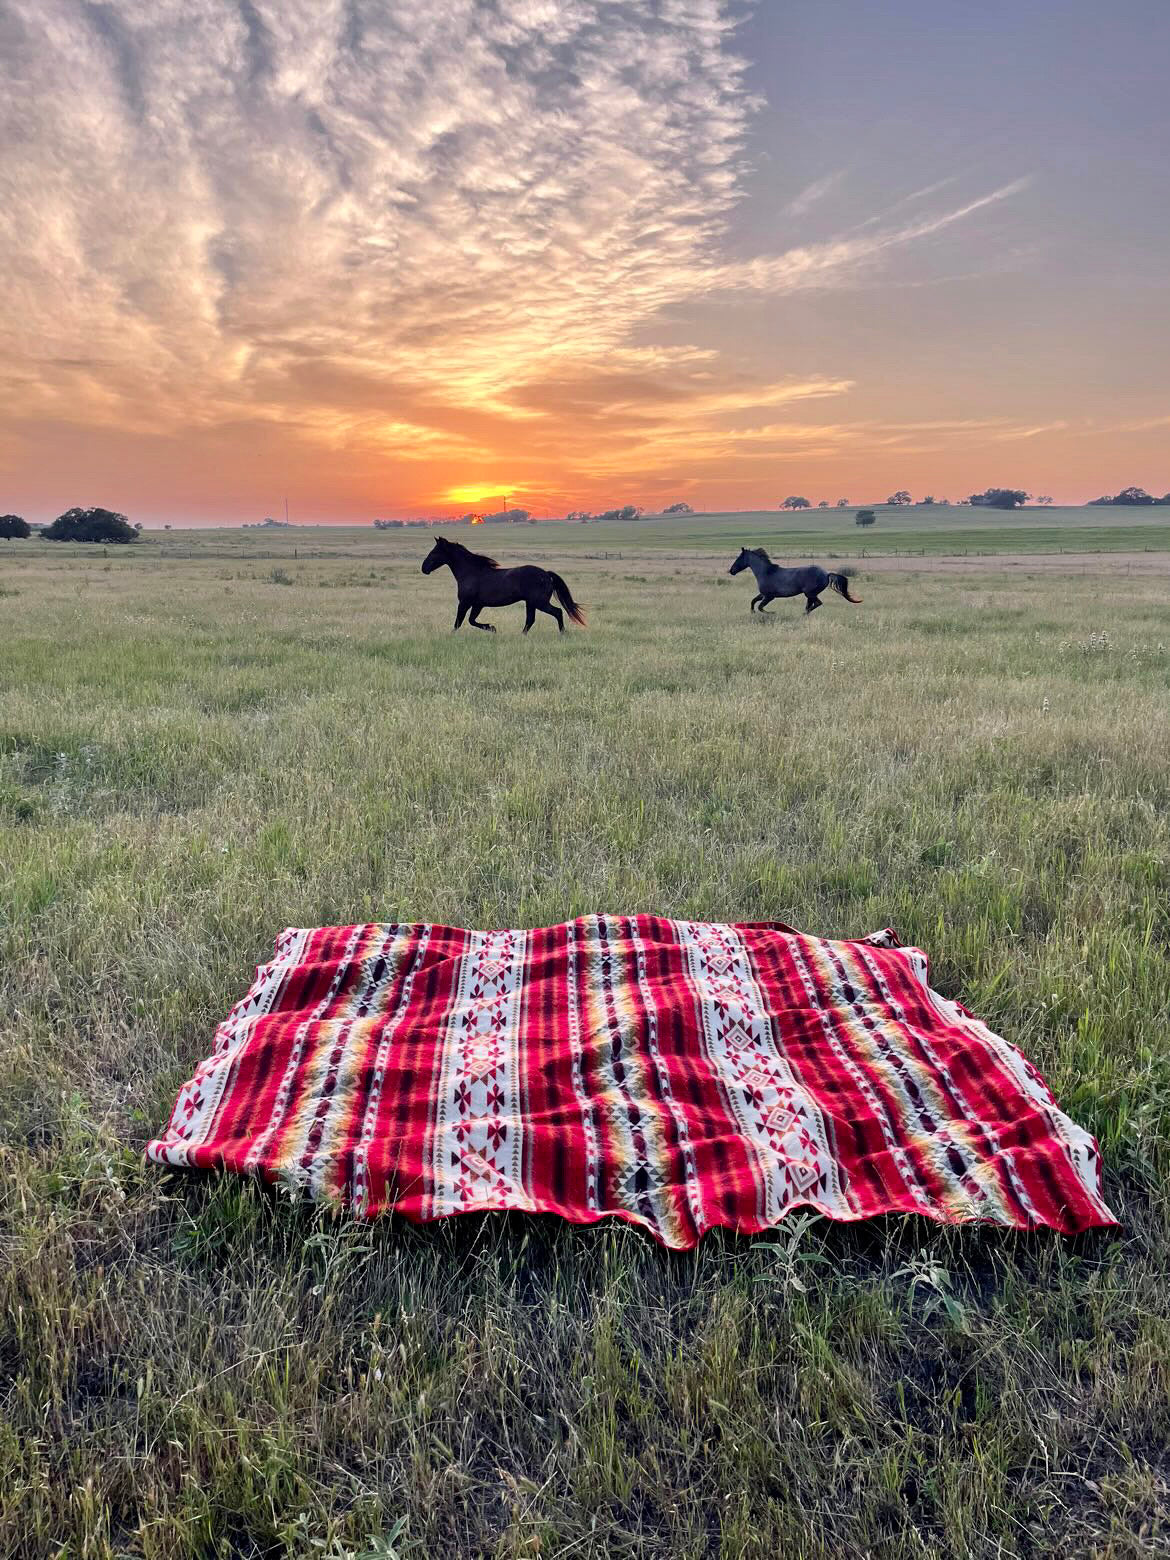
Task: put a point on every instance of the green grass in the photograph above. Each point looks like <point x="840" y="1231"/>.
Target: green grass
<point x="194" y="755"/>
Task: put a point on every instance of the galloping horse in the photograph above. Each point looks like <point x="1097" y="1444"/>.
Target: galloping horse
<point x="808" y="581"/>
<point x="482" y="583"/>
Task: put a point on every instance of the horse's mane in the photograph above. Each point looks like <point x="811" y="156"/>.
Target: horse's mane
<point x="488" y="563"/>
<point x="760" y="553"/>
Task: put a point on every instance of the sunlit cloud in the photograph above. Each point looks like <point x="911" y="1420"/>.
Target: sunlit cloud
<point x="443" y="230"/>
<point x="1034" y="432"/>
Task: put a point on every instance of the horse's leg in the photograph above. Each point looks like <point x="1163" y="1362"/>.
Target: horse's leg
<point x="752" y="603"/>
<point x="764" y="600"/>
<point x="529" y="615"/>
<point x="814" y="601"/>
<point x="460" y="615"/>
<point x="553" y="612"/>
<point x="475" y="623"/>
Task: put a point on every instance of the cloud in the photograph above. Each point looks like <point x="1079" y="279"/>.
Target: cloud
<point x="812" y="193"/>
<point x="206" y="194"/>
<point x="1143" y="425"/>
<point x="1033" y="432"/>
<point x="437" y="225"/>
<point x="842" y="261"/>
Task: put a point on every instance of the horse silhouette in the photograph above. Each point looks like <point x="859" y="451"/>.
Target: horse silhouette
<point x="481" y="583"/>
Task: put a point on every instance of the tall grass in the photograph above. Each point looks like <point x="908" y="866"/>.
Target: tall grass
<point x="192" y="758"/>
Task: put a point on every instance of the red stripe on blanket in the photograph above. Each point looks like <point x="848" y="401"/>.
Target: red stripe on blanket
<point x="677" y="1074"/>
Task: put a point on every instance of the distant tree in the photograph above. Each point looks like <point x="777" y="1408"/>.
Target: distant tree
<point x="13" y="528"/>
<point x="628" y="512"/>
<point x="1045" y="498"/>
<point x="1000" y="498"/>
<point x="678" y="509"/>
<point x="579" y="514"/>
<point x="842" y="503"/>
<point x="865" y="517"/>
<point x="899" y="498"/>
<point x="506" y="517"/>
<point x="927" y="503"/>
<point x="90" y="525"/>
<point x="1133" y="495"/>
<point x="794" y="501"/>
<point x="824" y="504"/>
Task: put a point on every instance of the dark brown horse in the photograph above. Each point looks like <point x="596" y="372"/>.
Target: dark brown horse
<point x="482" y="583"/>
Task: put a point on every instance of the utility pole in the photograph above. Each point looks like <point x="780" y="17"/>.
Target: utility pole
<point x="286" y="511"/>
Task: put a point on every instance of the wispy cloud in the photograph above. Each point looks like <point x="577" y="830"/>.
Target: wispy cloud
<point x="441" y="225"/>
<point x="813" y="193"/>
<point x="840" y="262"/>
<point x="1142" y="425"/>
<point x="1033" y="432"/>
<point x="907" y="200"/>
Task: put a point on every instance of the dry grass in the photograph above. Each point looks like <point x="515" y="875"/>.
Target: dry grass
<point x="194" y="754"/>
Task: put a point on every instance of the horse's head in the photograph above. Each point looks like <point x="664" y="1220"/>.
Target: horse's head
<point x="437" y="557"/>
<point x="744" y="561"/>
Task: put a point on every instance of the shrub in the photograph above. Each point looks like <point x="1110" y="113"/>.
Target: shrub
<point x="865" y="517"/>
<point x="13" y="528"/>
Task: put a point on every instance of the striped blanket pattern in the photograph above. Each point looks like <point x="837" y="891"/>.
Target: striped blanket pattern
<point x="676" y="1074"/>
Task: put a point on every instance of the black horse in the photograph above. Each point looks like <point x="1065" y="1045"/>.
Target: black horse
<point x="482" y="583"/>
<point x="808" y="581"/>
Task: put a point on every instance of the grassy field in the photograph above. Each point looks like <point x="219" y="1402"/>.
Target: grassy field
<point x="200" y="745"/>
<point x="818" y="533"/>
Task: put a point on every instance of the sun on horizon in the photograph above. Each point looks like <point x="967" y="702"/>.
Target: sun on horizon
<point x="476" y="494"/>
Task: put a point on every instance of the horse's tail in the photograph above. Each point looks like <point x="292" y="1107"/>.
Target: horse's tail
<point x="565" y="596"/>
<point x="840" y="584"/>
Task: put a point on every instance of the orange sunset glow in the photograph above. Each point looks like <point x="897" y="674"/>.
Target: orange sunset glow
<point x="631" y="253"/>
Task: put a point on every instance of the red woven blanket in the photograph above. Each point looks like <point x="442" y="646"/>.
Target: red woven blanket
<point x="677" y="1074"/>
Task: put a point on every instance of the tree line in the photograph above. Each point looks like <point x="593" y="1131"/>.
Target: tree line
<point x="107" y="525"/>
<point x="75" y="525"/>
<point x="990" y="498"/>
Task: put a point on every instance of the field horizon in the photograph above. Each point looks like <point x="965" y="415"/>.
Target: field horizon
<point x="911" y="532"/>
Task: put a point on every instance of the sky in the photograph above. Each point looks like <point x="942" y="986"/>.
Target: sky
<point x="415" y="256"/>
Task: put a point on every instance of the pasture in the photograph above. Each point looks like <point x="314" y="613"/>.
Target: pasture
<point x="204" y="739"/>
